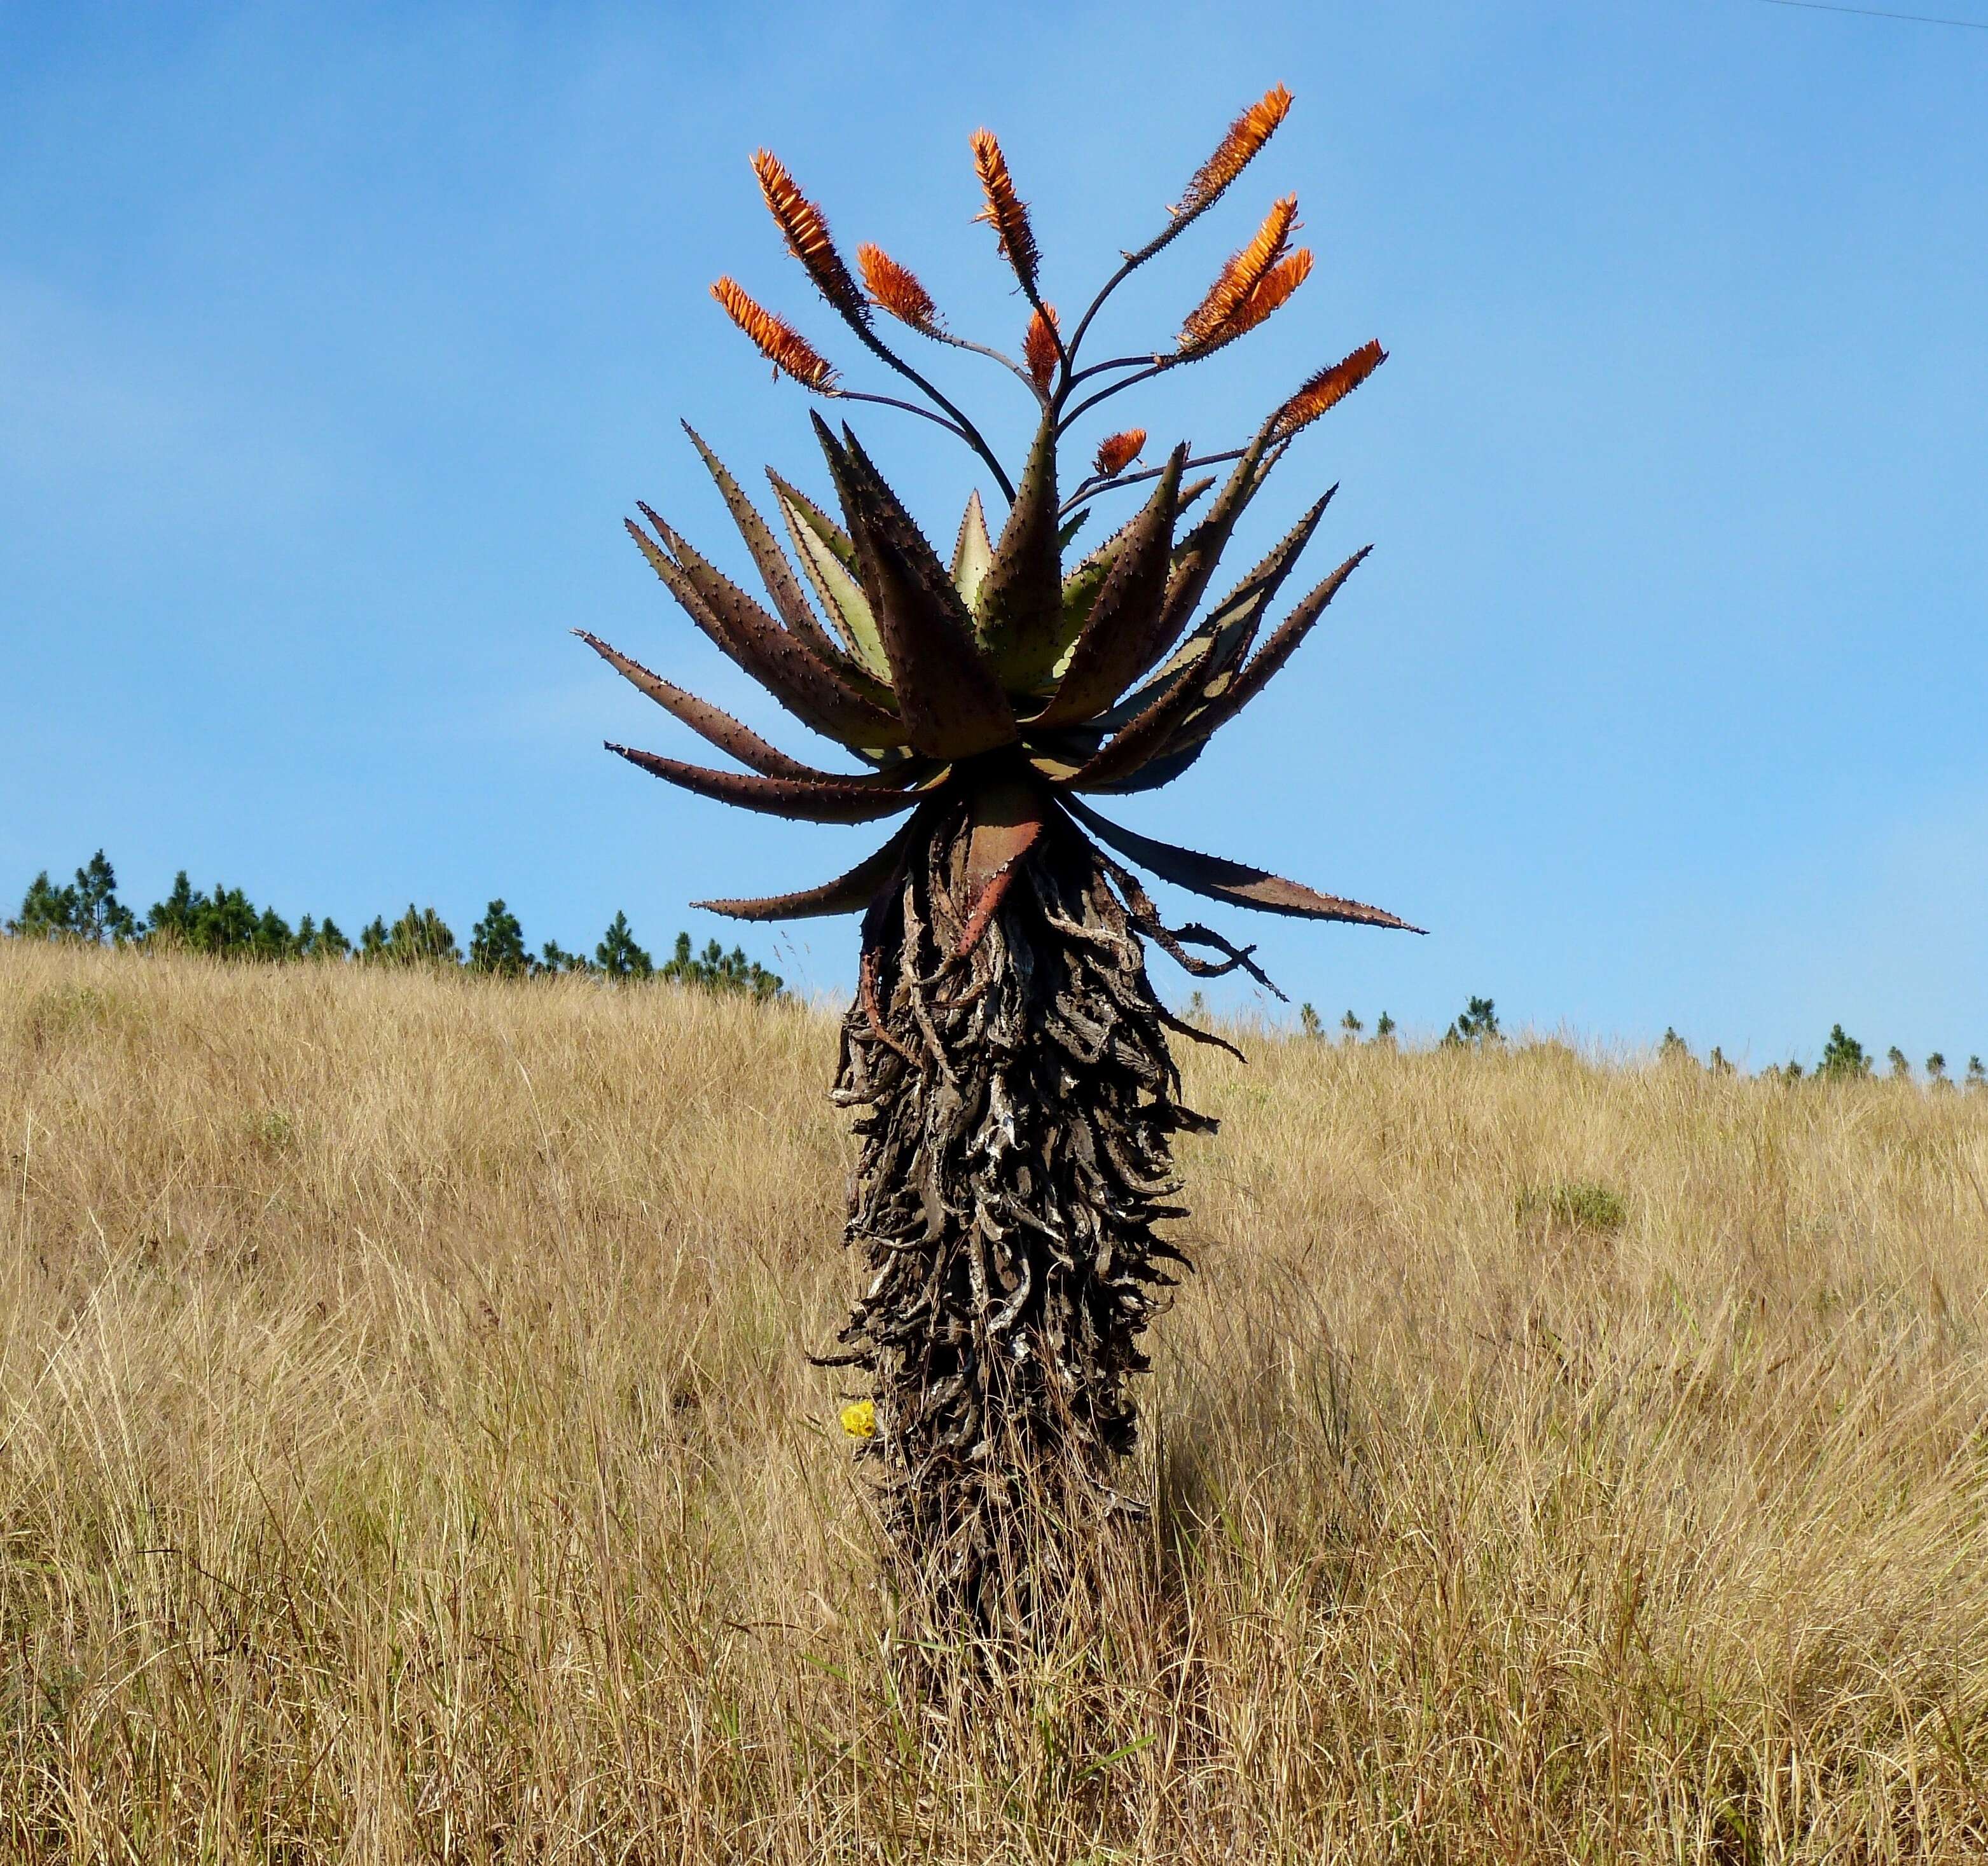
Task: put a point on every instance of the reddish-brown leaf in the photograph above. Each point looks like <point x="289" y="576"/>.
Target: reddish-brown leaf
<point x="1202" y="547"/>
<point x="847" y="894"/>
<point x="778" y="575"/>
<point x="1257" y="675"/>
<point x="702" y="717"/>
<point x="1008" y="816"/>
<point x="1021" y="601"/>
<point x="1119" y="641"/>
<point x="827" y="799"/>
<point x="952" y="704"/>
<point x="1237" y="882"/>
<point x="1147" y="732"/>
<point x="783" y="665"/>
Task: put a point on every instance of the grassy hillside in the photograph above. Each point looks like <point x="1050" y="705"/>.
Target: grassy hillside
<point x="407" y="1453"/>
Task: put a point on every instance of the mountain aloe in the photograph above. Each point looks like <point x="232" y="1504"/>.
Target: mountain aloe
<point x="1007" y="1054"/>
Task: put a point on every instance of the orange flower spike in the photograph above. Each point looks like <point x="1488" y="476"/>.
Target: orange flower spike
<point x="1241" y="275"/>
<point x="896" y="288"/>
<point x="789" y="353"/>
<point x="1038" y="347"/>
<point x="1116" y="452"/>
<point x="1325" y="390"/>
<point x="1005" y="211"/>
<point x="807" y="235"/>
<point x="1247" y="134"/>
<point x="1275" y="286"/>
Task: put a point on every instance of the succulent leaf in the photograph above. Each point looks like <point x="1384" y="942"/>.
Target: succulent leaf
<point x="828" y="560"/>
<point x="972" y="551"/>
<point x="1154" y="773"/>
<point x="1236" y="883"/>
<point x="1283" y="643"/>
<point x="1202" y="547"/>
<point x="1081" y="586"/>
<point x="1008" y="817"/>
<point x="1021" y="601"/>
<point x="825" y="798"/>
<point x="783" y="665"/>
<point x="1232" y="622"/>
<point x="1118" y="642"/>
<point x="777" y="574"/>
<point x="702" y="717"/>
<point x="1147" y="733"/>
<point x="950" y="703"/>
<point x="847" y="894"/>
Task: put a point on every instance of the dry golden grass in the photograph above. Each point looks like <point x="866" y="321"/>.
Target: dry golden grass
<point x="407" y="1453"/>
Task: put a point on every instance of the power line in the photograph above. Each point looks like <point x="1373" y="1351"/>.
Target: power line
<point x="1872" y="12"/>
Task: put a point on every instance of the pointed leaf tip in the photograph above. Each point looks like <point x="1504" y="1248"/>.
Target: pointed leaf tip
<point x="829" y="800"/>
<point x="1237" y="882"/>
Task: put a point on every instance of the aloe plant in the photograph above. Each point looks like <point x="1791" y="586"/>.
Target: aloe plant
<point x="1008" y="1055"/>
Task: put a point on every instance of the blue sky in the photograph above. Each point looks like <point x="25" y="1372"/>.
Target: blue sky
<point x="335" y="343"/>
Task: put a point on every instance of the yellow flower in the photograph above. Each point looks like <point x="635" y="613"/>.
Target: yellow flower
<point x="859" y="1419"/>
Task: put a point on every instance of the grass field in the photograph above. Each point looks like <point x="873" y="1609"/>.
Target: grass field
<point x="407" y="1453"/>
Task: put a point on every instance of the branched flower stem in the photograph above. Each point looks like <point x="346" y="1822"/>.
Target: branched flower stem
<point x="894" y="401"/>
<point x="965" y="428"/>
<point x="1092" y="487"/>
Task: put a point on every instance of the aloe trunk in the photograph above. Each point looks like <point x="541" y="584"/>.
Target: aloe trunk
<point x="1019" y="1106"/>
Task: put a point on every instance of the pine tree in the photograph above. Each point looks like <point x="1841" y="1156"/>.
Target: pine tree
<point x="1843" y="1057"/>
<point x="420" y="937"/>
<point x="271" y="940"/>
<point x="1351" y="1026"/>
<point x="497" y="944"/>
<point x="1478" y="1025"/>
<point x="87" y="909"/>
<point x="1901" y="1071"/>
<point x="1383" y="1029"/>
<point x="1935" y="1068"/>
<point x="47" y="911"/>
<point x="554" y="957"/>
<point x="619" y="957"/>
<point x="99" y="915"/>
<point x="223" y="924"/>
<point x="1309" y="1023"/>
<point x="718" y="970"/>
<point x="1977" y="1077"/>
<point x="320" y="940"/>
<point x="1673" y="1048"/>
<point x="171" y="921"/>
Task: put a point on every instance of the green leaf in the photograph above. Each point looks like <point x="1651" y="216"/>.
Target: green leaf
<point x="972" y="552"/>
<point x="1148" y="733"/>
<point x="1271" y="657"/>
<point x="1202" y="547"/>
<point x="828" y="559"/>
<point x="1230" y="625"/>
<point x="1081" y="586"/>
<point x="778" y="575"/>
